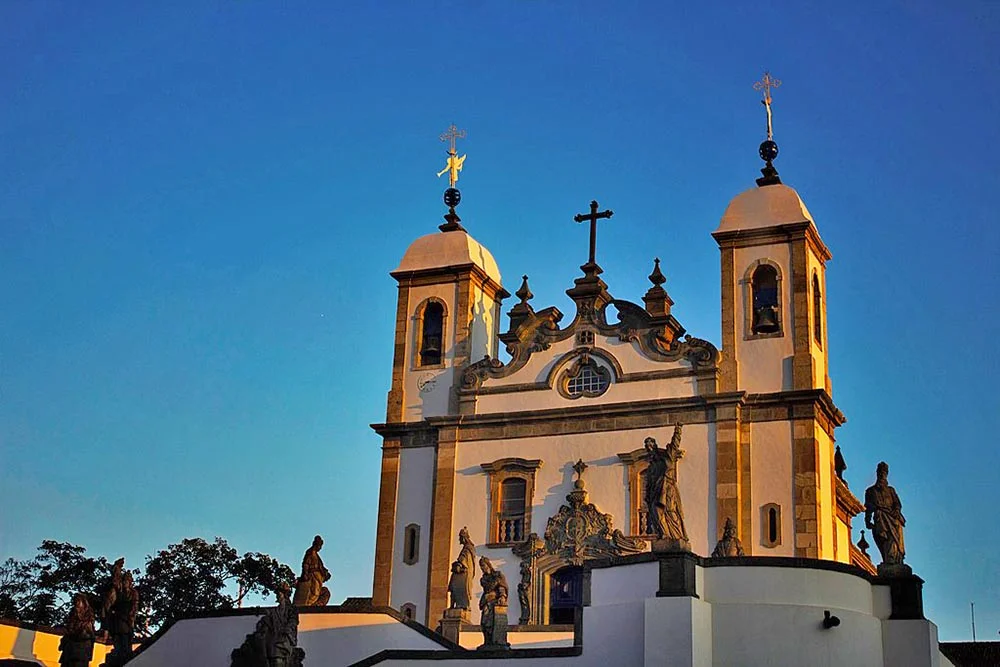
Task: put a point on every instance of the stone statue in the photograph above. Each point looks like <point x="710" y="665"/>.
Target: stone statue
<point x="884" y="517"/>
<point x="524" y="593"/>
<point x="729" y="545"/>
<point x="663" y="500"/>
<point x="493" y="606"/>
<point x="463" y="573"/>
<point x="118" y="614"/>
<point x="273" y="642"/>
<point x="309" y="588"/>
<point x="76" y="648"/>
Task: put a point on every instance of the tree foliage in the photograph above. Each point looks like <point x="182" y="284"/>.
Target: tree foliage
<point x="190" y="577"/>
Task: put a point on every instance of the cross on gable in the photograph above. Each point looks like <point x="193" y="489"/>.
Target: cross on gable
<point x="593" y="217"/>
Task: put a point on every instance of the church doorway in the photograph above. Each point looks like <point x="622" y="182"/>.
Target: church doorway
<point x="565" y="595"/>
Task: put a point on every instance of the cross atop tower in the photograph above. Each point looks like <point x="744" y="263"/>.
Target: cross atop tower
<point x="593" y="216"/>
<point x="764" y="86"/>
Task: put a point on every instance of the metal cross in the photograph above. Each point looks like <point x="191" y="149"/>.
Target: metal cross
<point x="579" y="467"/>
<point x="450" y="135"/>
<point x="593" y="216"/>
<point x="765" y="85"/>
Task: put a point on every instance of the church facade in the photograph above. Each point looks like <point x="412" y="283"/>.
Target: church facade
<point x="541" y="456"/>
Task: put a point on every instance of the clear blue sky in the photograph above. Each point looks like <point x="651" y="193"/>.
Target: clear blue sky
<point x="200" y="203"/>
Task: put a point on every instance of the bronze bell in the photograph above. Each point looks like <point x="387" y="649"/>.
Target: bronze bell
<point x="765" y="320"/>
<point x="432" y="346"/>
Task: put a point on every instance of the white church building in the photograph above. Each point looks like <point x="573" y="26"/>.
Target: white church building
<point x="540" y="457"/>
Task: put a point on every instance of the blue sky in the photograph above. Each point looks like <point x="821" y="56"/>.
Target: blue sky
<point x="200" y="204"/>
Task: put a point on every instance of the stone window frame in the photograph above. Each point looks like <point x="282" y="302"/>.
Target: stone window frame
<point x="418" y="332"/>
<point x="498" y="471"/>
<point x="570" y="365"/>
<point x="411" y="544"/>
<point x="817" y="310"/>
<point x="635" y="464"/>
<point x="408" y="610"/>
<point x="747" y="282"/>
<point x="765" y="525"/>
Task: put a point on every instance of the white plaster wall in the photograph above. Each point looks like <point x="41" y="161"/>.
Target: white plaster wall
<point x="826" y="492"/>
<point x="413" y="505"/>
<point x="612" y="585"/>
<point x="482" y="341"/>
<point x="427" y="390"/>
<point x="678" y="632"/>
<point x="771" y="481"/>
<point x="788" y="587"/>
<point x="473" y="639"/>
<point x="613" y="634"/>
<point x="762" y="362"/>
<point x="606" y="478"/>
<point x="911" y="644"/>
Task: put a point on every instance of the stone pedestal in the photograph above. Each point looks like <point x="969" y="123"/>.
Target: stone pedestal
<point x="668" y="545"/>
<point x="906" y="592"/>
<point x="499" y="632"/>
<point x="677" y="575"/>
<point x="451" y="623"/>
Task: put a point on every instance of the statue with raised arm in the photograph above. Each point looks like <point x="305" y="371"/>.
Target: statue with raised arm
<point x="76" y="647"/>
<point x="118" y="614"/>
<point x="309" y="588"/>
<point x="493" y="606"/>
<point x="463" y="573"/>
<point x="884" y="517"/>
<point x="663" y="499"/>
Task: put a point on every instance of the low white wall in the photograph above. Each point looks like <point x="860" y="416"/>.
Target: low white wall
<point x="474" y="638"/>
<point x="328" y="639"/>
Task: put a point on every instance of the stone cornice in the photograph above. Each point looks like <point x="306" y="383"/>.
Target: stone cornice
<point x="847" y="501"/>
<point x="433" y="277"/>
<point x="742" y="238"/>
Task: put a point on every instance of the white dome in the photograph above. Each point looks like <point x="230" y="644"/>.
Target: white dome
<point x="447" y="249"/>
<point x="765" y="206"/>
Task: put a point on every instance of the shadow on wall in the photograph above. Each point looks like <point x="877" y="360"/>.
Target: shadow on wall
<point x="24" y="644"/>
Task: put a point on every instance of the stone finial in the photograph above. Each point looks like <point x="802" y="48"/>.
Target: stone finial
<point x="863" y="546"/>
<point x="524" y="292"/>
<point x="657" y="301"/>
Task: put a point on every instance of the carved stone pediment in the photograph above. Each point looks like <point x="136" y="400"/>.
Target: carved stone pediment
<point x="579" y="532"/>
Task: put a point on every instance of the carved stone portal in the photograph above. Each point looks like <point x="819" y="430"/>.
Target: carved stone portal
<point x="578" y="532"/>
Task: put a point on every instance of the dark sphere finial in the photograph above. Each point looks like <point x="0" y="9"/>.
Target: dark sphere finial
<point x="452" y="197"/>
<point x="768" y="150"/>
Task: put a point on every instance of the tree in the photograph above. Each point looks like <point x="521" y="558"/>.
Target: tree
<point x="41" y="590"/>
<point x="191" y="577"/>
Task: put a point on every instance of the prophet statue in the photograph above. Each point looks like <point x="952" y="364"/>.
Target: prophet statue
<point x="884" y="517"/>
<point x="493" y="620"/>
<point x="118" y="614"/>
<point x="663" y="499"/>
<point x="463" y="573"/>
<point x="309" y="588"/>
<point x="729" y="545"/>
<point x="76" y="647"/>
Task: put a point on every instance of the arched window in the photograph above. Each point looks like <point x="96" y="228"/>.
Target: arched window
<point x="817" y="311"/>
<point x="512" y="506"/>
<point x="770" y="515"/>
<point x="408" y="610"/>
<point x="431" y="339"/>
<point x="765" y="301"/>
<point x="411" y="544"/>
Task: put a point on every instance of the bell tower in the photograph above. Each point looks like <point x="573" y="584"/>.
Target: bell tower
<point x="447" y="315"/>
<point x="777" y="459"/>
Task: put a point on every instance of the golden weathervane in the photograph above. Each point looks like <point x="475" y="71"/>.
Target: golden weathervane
<point x="454" y="164"/>
<point x="765" y="85"/>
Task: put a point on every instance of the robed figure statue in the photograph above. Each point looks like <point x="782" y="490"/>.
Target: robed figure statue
<point x="309" y="588"/>
<point x="663" y="500"/>
<point x="118" y="613"/>
<point x="884" y="517"/>
<point x="463" y="573"/>
<point x="76" y="647"/>
<point x="493" y="606"/>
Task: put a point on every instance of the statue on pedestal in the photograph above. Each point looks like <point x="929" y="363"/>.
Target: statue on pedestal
<point x="884" y="517"/>
<point x="118" y="614"/>
<point x="463" y="573"/>
<point x="493" y="606"/>
<point x="273" y="643"/>
<point x="663" y="500"/>
<point x="76" y="648"/>
<point x="309" y="588"/>
<point x="729" y="546"/>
